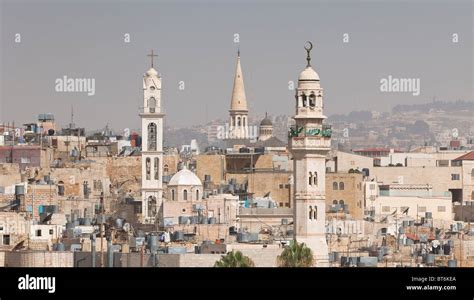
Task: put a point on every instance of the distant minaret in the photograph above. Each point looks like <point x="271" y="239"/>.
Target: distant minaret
<point x="152" y="145"/>
<point x="238" y="106"/>
<point x="309" y="143"/>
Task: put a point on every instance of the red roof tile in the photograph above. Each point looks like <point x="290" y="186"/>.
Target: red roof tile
<point x="467" y="156"/>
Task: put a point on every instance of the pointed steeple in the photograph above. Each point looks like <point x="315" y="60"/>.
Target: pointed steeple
<point x="239" y="101"/>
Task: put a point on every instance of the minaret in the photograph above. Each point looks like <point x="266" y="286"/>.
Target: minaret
<point x="310" y="141"/>
<point x="152" y="145"/>
<point x="238" y="106"/>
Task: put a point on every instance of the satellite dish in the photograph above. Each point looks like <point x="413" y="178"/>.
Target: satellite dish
<point x="126" y="226"/>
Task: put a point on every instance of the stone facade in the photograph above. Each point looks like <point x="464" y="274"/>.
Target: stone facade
<point x="348" y="189"/>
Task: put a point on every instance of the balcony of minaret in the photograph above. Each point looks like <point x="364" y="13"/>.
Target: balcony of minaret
<point x="310" y="138"/>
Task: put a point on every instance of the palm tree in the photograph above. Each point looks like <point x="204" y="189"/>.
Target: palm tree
<point x="296" y="255"/>
<point x="234" y="259"/>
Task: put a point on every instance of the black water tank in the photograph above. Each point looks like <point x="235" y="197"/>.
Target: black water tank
<point x="365" y="172"/>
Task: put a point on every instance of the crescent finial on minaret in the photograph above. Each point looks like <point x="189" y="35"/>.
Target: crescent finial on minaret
<point x="308" y="47"/>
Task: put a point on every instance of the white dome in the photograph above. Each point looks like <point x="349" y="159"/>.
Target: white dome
<point x="152" y="72"/>
<point x="309" y="74"/>
<point x="184" y="177"/>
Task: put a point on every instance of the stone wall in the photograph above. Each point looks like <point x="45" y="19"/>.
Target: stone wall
<point x="39" y="259"/>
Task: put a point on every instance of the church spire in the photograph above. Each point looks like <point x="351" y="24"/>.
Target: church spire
<point x="239" y="101"/>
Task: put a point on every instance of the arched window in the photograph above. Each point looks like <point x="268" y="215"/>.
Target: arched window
<point x="334" y="201"/>
<point x="243" y="121"/>
<point x="148" y="168"/>
<point x="197" y="194"/>
<point x="315" y="213"/>
<point x="151" y="206"/>
<point x="334" y="186"/>
<point x="152" y="104"/>
<point x="310" y="178"/>
<point x="341" y="185"/>
<point x="166" y="169"/>
<point x="238" y="121"/>
<point x="172" y="194"/>
<point x="303" y="97"/>
<point x="310" y="212"/>
<point x="157" y="168"/>
<point x="152" y="137"/>
<point x="315" y="178"/>
<point x="185" y="194"/>
<point x="341" y="202"/>
<point x="312" y="100"/>
<point x="60" y="188"/>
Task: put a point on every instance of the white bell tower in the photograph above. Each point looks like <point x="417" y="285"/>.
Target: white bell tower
<point x="152" y="146"/>
<point x="310" y="141"/>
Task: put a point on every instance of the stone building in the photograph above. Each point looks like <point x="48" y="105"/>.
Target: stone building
<point x="345" y="191"/>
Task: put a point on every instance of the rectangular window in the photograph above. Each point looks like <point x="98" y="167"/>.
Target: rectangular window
<point x="443" y="163"/>
<point x="287" y="204"/>
<point x="281" y="204"/>
<point x="1" y="228"/>
<point x="51" y="232"/>
<point x="455" y="177"/>
<point x="25" y="160"/>
<point x="287" y="186"/>
<point x="385" y="209"/>
<point x="441" y="208"/>
<point x="456" y="163"/>
<point x="422" y="209"/>
<point x="6" y="240"/>
<point x="38" y="232"/>
<point x="281" y="186"/>
<point x="403" y="209"/>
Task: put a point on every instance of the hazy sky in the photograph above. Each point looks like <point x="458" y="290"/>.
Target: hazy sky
<point x="195" y="44"/>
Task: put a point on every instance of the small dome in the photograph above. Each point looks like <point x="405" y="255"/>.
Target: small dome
<point x="266" y="122"/>
<point x="184" y="177"/>
<point x="151" y="72"/>
<point x="309" y="74"/>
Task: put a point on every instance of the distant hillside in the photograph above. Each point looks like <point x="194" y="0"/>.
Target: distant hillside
<point x="437" y="105"/>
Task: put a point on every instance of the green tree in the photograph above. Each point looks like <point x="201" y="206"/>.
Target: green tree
<point x="234" y="259"/>
<point x="296" y="255"/>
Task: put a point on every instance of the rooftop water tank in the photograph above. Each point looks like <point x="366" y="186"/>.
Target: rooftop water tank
<point x="452" y="263"/>
<point x="19" y="189"/>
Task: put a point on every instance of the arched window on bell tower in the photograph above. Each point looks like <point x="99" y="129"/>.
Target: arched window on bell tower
<point x="310" y="178"/>
<point x="238" y="121"/>
<point x="315" y="178"/>
<point x="303" y="97"/>
<point x="148" y="168"/>
<point x="157" y="168"/>
<point x="315" y="213"/>
<point x="310" y="212"/>
<point x="152" y="104"/>
<point x="152" y="137"/>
